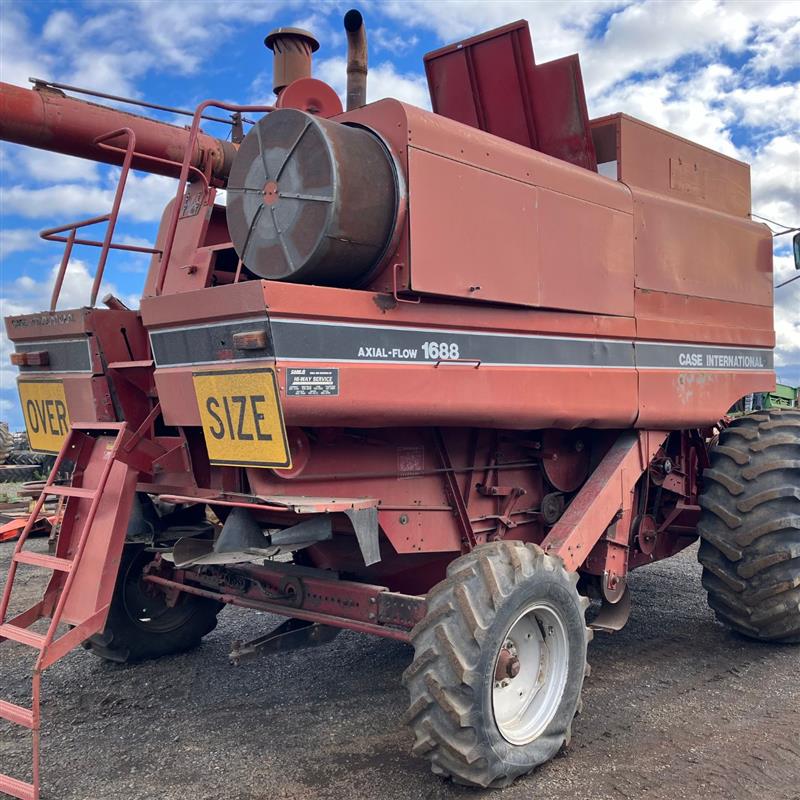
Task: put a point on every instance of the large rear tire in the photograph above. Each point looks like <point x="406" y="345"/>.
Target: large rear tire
<point x="6" y="442"/>
<point x="750" y="526"/>
<point x="499" y="665"/>
<point x="141" y="624"/>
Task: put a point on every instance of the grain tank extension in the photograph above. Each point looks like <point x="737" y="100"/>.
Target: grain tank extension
<point x="441" y="376"/>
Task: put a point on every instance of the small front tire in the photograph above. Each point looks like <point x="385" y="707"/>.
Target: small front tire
<point x="141" y="624"/>
<point x="499" y="664"/>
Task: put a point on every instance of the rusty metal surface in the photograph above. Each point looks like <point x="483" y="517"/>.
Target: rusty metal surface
<point x="521" y="227"/>
<point x="699" y="252"/>
<point x="559" y="109"/>
<point x="566" y="458"/>
<point x="492" y="82"/>
<point x="293" y="634"/>
<point x="51" y="121"/>
<point x="310" y="200"/>
<point x="312" y="96"/>
<point x="491" y="221"/>
<point x="401" y="610"/>
<point x="356" y="59"/>
<point x="351" y="616"/>
<point x="292" y="50"/>
<point x="501" y="216"/>
<point x="668" y="315"/>
<point x="661" y="162"/>
<point x="500" y="396"/>
<point x="608" y="489"/>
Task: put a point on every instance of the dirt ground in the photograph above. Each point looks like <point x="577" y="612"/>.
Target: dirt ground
<point x="676" y="707"/>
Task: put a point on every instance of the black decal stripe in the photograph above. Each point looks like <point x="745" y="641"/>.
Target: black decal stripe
<point x="206" y="344"/>
<point x="702" y="358"/>
<point x="64" y="355"/>
<point x="301" y="341"/>
<point x="313" y="341"/>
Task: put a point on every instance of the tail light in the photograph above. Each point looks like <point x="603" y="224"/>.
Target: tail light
<point x="32" y="358"/>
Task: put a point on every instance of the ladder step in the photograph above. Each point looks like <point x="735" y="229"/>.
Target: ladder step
<point x="42" y="560"/>
<point x="15" y="788"/>
<point x="16" y="714"/>
<point x="70" y="491"/>
<point x="22" y="635"/>
<point x="98" y="426"/>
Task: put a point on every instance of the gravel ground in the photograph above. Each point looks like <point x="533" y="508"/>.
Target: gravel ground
<point x="676" y="707"/>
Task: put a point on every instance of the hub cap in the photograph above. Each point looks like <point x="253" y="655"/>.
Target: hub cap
<point x="530" y="674"/>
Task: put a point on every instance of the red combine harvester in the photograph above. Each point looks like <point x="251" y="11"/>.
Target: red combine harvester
<point x="426" y="375"/>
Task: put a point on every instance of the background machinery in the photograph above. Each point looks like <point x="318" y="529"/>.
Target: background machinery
<point x="426" y="375"/>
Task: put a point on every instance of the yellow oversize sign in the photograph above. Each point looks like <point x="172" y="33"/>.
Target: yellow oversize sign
<point x="242" y="418"/>
<point x="44" y="407"/>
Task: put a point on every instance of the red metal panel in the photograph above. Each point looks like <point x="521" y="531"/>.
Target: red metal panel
<point x="376" y="395"/>
<point x="662" y="162"/>
<point x="492" y="82"/>
<point x="684" y="249"/>
<point x="488" y="226"/>
<point x="560" y="113"/>
<point x="88" y="398"/>
<point x="485" y="82"/>
<point x="608" y="490"/>
<point x="591" y="267"/>
<point x="332" y="304"/>
<point x="684" y="318"/>
<point x="678" y="399"/>
<point x="484" y="245"/>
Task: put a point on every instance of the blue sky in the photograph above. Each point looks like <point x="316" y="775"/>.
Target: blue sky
<point x="726" y="74"/>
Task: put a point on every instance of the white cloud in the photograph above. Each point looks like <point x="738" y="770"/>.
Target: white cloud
<point x="42" y="165"/>
<point x="777" y="48"/>
<point x="776" y="107"/>
<point x="787" y="313"/>
<point x="18" y="240"/>
<point x="649" y="36"/>
<point x="392" y="40"/>
<point x="144" y="200"/>
<point x="775" y="176"/>
<point x="558" y="28"/>
<point x="20" y="57"/>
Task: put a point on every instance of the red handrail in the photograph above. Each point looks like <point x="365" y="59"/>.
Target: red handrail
<point x="52" y="234"/>
<point x="184" y="177"/>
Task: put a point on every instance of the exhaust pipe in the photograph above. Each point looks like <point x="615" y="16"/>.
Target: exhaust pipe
<point x="356" y="59"/>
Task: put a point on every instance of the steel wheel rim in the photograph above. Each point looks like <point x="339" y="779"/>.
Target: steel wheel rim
<point x="524" y="704"/>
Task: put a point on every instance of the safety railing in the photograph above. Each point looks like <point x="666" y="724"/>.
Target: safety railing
<point x="186" y="168"/>
<point x="54" y="234"/>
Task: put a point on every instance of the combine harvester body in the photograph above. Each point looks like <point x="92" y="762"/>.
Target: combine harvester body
<point x="411" y="345"/>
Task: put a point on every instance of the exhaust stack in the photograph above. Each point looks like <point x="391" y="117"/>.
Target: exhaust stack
<point x="356" y="59"/>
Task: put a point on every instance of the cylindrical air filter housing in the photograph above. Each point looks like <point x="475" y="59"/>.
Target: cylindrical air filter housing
<point x="311" y="200"/>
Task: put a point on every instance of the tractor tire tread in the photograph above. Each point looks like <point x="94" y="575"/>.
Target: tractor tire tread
<point x="750" y="526"/>
<point x="446" y="666"/>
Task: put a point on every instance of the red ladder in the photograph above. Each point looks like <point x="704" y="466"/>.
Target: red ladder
<point x="98" y="507"/>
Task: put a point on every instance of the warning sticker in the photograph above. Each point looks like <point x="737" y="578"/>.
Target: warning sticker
<point x="242" y="418"/>
<point x="312" y="382"/>
<point x="44" y="407"/>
